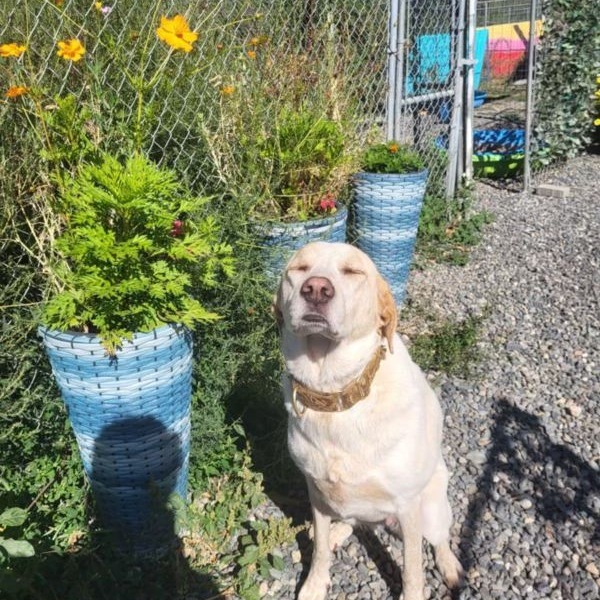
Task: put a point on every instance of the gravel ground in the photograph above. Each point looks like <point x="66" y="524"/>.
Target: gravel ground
<point x="522" y="436"/>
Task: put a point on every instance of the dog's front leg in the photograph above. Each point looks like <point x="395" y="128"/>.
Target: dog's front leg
<point x="317" y="583"/>
<point x="413" y="579"/>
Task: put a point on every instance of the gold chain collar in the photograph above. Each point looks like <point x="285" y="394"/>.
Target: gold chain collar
<point x="355" y="391"/>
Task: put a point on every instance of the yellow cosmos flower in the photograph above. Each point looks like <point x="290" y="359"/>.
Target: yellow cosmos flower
<point x="177" y="33"/>
<point x="393" y="148"/>
<point x="258" y="40"/>
<point x="597" y="122"/>
<point x="11" y="50"/>
<point x="227" y="90"/>
<point x="251" y="54"/>
<point x="71" y="50"/>
<point x="15" y="91"/>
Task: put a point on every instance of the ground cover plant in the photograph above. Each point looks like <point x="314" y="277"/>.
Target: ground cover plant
<point x="449" y="228"/>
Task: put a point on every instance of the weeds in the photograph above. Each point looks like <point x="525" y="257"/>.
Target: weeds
<point x="450" y="347"/>
<point x="12" y="518"/>
<point x="449" y="229"/>
<point x="222" y="531"/>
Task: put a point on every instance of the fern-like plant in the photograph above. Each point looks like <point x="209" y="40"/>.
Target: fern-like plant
<point x="132" y="249"/>
<point x="391" y="157"/>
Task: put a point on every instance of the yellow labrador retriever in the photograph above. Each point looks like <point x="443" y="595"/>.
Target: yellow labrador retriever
<point x="364" y="427"/>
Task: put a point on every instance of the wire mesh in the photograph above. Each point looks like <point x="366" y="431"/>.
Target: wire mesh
<point x="500" y="12"/>
<point x="505" y="67"/>
<point x="503" y="86"/>
<point x="333" y="52"/>
<point x="424" y="103"/>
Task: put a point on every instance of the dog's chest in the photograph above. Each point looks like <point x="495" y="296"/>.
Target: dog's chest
<point x="345" y="470"/>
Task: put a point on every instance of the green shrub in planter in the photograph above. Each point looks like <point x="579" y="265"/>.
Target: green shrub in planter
<point x="118" y="341"/>
<point x="131" y="247"/>
<point x="391" y="157"/>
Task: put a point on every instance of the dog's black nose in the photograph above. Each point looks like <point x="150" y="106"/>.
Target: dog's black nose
<point x="317" y="290"/>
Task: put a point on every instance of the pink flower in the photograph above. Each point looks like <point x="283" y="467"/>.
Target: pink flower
<point x="177" y="228"/>
<point x="327" y="203"/>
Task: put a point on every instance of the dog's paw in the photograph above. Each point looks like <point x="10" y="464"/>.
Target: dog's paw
<point x="413" y="595"/>
<point x="449" y="566"/>
<point x="314" y="588"/>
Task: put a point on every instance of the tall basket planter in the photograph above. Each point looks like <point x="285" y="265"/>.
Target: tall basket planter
<point x="131" y="417"/>
<point x="385" y="219"/>
<point x="278" y="241"/>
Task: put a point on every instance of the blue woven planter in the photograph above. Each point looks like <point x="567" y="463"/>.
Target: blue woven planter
<point x="131" y="417"/>
<point x="386" y="212"/>
<point x="278" y="241"/>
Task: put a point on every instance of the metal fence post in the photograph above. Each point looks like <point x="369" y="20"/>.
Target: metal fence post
<point x="529" y="110"/>
<point x="391" y="74"/>
<point x="454" y="144"/>
<point x="469" y="90"/>
<point x="400" y="74"/>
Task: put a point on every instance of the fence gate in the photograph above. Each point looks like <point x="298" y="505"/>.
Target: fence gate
<point x="429" y="71"/>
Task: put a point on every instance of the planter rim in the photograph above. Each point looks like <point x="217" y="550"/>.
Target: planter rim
<point x="260" y="224"/>
<point x="90" y="339"/>
<point x="410" y="175"/>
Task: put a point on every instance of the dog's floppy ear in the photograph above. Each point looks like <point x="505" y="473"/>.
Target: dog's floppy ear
<point x="386" y="307"/>
<point x="276" y="308"/>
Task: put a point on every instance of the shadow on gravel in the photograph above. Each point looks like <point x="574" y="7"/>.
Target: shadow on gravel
<point x="558" y="483"/>
<point x="388" y="568"/>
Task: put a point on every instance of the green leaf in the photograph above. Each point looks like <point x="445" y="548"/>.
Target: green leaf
<point x="278" y="562"/>
<point x="264" y="568"/>
<point x="13" y="517"/>
<point x="249" y="557"/>
<point x="17" y="548"/>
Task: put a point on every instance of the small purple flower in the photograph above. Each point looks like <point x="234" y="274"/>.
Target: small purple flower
<point x="106" y="10"/>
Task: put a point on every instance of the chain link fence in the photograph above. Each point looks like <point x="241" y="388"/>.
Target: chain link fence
<point x="506" y="24"/>
<point x="502" y="100"/>
<point x="250" y="58"/>
<point x="341" y="57"/>
<point x="424" y="51"/>
<point x="331" y="54"/>
<point x="540" y="61"/>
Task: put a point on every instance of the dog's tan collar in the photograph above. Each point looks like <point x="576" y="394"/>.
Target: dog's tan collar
<point x="355" y="391"/>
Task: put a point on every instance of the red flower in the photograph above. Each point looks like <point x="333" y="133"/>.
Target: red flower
<point x="327" y="203"/>
<point x="177" y="228"/>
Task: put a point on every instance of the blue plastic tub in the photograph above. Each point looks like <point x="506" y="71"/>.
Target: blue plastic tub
<point x="497" y="153"/>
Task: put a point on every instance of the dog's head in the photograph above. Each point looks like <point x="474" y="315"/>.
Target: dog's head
<point x="334" y="290"/>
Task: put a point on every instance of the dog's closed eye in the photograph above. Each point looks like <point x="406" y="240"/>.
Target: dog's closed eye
<point x="300" y="268"/>
<point x="351" y="271"/>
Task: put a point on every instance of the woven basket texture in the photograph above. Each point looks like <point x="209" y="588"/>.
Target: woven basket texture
<point x="278" y="241"/>
<point x="131" y="418"/>
<point x="385" y="219"/>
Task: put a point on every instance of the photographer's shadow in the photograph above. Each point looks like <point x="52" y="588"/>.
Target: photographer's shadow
<point x="138" y="476"/>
